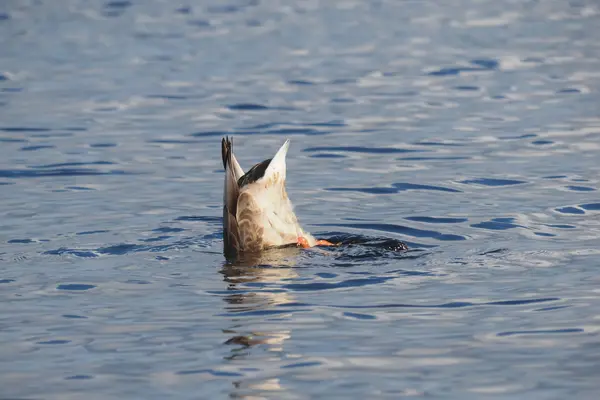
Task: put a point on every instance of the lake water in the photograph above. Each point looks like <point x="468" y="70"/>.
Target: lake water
<point x="469" y="130"/>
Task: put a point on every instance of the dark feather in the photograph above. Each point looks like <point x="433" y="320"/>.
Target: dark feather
<point x="230" y="227"/>
<point x="226" y="145"/>
<point x="254" y="174"/>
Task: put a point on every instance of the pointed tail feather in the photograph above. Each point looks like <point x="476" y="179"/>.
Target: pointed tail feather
<point x="277" y="168"/>
<point x="230" y="197"/>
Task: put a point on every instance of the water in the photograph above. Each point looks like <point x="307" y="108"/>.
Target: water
<point x="469" y="130"/>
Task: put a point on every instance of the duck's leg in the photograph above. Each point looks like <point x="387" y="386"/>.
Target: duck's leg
<point x="322" y="242"/>
<point x="302" y="242"/>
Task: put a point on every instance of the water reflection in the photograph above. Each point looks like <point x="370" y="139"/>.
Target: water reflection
<point x="250" y="278"/>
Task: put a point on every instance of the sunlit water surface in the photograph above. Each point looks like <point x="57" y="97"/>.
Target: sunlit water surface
<point x="469" y="130"/>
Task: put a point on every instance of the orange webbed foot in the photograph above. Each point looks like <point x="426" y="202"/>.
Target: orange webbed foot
<point x="323" y="242"/>
<point x="302" y="242"/>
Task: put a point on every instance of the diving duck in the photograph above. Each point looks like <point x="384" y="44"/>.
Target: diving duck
<point x="257" y="213"/>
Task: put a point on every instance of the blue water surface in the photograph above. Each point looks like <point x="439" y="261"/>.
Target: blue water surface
<point x="469" y="130"/>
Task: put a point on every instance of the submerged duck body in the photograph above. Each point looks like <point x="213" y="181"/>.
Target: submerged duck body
<point x="257" y="213"/>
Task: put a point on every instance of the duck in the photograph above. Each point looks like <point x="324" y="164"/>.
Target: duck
<point x="257" y="212"/>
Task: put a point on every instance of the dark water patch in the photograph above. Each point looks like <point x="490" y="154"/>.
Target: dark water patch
<point x="127" y="248"/>
<point x="300" y="82"/>
<point x="349" y="283"/>
<point x="404" y="230"/>
<point x="525" y="136"/>
<point x="78" y="377"/>
<point x="437" y="220"/>
<point x="493" y="251"/>
<point x="74" y="316"/>
<point x="54" y="342"/>
<point x="37" y="147"/>
<point x="295" y="131"/>
<point x="570" y="210"/>
<point x="167" y="229"/>
<point x="120" y="249"/>
<point x="550" y="308"/>
<point x="544" y="234"/>
<point x="247" y="107"/>
<point x="170" y="141"/>
<point x="478" y="65"/>
<point x="11" y="140"/>
<point x="373" y="190"/>
<point x="23" y="129"/>
<point x="210" y="134"/>
<point x="138" y="282"/>
<point x="202" y="218"/>
<point x="282" y="132"/>
<point x="452" y="71"/>
<point x="492" y="182"/>
<point x="156" y="239"/>
<point x="440" y="158"/>
<point x="75" y="287"/>
<point x="7" y="281"/>
<point x="562" y="226"/>
<point x="359" y="316"/>
<point x="92" y="232"/>
<point x="167" y="97"/>
<point x="342" y="100"/>
<point x="41" y="172"/>
<point x="326" y="124"/>
<point x="261" y="313"/>
<point x="568" y="91"/>
<point x="396" y="188"/>
<point x="402" y="186"/>
<point x="497" y="224"/>
<point x="521" y="302"/>
<point x="326" y="275"/>
<point x="591" y="206"/>
<point x="380" y="244"/>
<point x="466" y="88"/>
<point x="486" y="63"/>
<point x="21" y="241"/>
<point x="4" y="17"/>
<point x="184" y="10"/>
<point x="103" y="145"/>
<point x="302" y="364"/>
<point x="74" y="252"/>
<point x="118" y="4"/>
<point x="200" y="23"/>
<point x="80" y="188"/>
<point x="6" y="183"/>
<point x="210" y="372"/>
<point x="542" y="142"/>
<point x="541" y="332"/>
<point x="115" y="8"/>
<point x="327" y="155"/>
<point x="434" y="143"/>
<point x="52" y="135"/>
<point x="365" y="150"/>
<point x="453" y="304"/>
<point x="581" y="188"/>
<point x="74" y="164"/>
<point x="554" y="177"/>
<point x="231" y="8"/>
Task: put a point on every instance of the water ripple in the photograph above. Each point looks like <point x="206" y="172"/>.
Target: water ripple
<point x="405" y="230"/>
